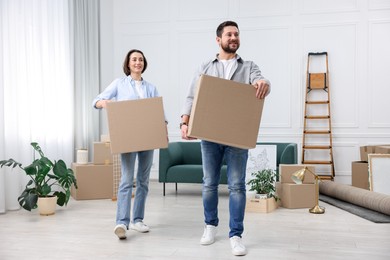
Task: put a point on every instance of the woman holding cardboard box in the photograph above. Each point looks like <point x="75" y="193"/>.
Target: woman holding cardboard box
<point x="131" y="87"/>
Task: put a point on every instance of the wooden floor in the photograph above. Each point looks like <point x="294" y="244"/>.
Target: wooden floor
<point x="84" y="230"/>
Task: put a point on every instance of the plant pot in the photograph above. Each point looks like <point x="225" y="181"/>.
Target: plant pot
<point x="47" y="205"/>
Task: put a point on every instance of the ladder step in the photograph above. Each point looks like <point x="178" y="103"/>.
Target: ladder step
<point x="317" y="162"/>
<point x="317" y="102"/>
<point x="317" y="117"/>
<point x="308" y="147"/>
<point x="321" y="132"/>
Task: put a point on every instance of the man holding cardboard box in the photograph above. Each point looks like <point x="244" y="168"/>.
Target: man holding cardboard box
<point x="226" y="65"/>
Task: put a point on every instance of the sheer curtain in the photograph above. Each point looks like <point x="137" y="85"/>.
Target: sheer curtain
<point x="85" y="32"/>
<point x="36" y="97"/>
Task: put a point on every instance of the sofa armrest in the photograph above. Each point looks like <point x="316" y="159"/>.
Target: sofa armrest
<point x="173" y="155"/>
<point x="289" y="154"/>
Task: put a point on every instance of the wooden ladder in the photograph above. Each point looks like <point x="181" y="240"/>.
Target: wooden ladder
<point x="317" y="121"/>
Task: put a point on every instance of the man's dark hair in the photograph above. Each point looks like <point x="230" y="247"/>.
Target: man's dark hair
<point x="126" y="68"/>
<point x="223" y="25"/>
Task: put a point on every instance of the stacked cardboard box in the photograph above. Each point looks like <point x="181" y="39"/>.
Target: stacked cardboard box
<point x="294" y="196"/>
<point x="95" y="180"/>
<point x="360" y="176"/>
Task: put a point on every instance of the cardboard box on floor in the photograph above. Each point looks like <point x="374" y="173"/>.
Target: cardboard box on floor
<point x="225" y="112"/>
<point x="137" y="125"/>
<point x="287" y="170"/>
<point x="360" y="176"/>
<point x="296" y="196"/>
<point x="93" y="181"/>
<point x="102" y="153"/>
<point x="261" y="205"/>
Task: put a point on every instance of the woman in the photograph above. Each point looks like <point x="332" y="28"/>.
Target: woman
<point x="131" y="87"/>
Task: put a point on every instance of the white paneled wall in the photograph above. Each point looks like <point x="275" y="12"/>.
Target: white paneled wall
<point x="177" y="35"/>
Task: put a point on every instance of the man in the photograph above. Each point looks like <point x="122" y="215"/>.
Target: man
<point x="228" y="65"/>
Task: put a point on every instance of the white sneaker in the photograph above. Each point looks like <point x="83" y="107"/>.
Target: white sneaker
<point x="120" y="231"/>
<point x="237" y="247"/>
<point x="208" y="235"/>
<point x="140" y="227"/>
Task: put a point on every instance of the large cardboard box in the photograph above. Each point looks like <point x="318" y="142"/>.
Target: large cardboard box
<point x="295" y="196"/>
<point x="137" y="125"/>
<point x="360" y="176"/>
<point x="261" y="205"/>
<point x="102" y="153"/>
<point x="287" y="170"/>
<point x="93" y="181"/>
<point x="225" y="112"/>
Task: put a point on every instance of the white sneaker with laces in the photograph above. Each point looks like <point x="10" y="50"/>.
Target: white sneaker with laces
<point x="140" y="227"/>
<point x="238" y="247"/>
<point x="208" y="235"/>
<point x="120" y="231"/>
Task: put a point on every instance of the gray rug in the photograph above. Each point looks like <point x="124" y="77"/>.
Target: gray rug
<point x="365" y="213"/>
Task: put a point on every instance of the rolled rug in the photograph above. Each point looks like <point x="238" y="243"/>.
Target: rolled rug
<point x="358" y="196"/>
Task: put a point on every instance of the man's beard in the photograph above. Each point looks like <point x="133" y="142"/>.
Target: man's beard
<point x="227" y="49"/>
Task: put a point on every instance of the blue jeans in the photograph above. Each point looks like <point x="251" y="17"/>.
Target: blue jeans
<point x="145" y="160"/>
<point x="213" y="155"/>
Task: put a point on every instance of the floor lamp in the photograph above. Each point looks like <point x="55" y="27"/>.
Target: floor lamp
<point x="298" y="178"/>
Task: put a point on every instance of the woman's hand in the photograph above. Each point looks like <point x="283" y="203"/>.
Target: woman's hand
<point x="102" y="103"/>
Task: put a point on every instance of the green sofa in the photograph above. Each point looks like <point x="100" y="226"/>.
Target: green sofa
<point x="181" y="162"/>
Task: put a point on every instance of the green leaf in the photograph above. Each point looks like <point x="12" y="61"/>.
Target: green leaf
<point x="45" y="190"/>
<point x="61" y="198"/>
<point x="28" y="199"/>
<point x="37" y="148"/>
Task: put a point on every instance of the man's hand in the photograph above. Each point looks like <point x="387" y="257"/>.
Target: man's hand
<point x="184" y="131"/>
<point x="262" y="89"/>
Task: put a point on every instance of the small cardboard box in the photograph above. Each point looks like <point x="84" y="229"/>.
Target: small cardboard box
<point x="93" y="181"/>
<point x="137" y="125"/>
<point x="225" y="112"/>
<point x="287" y="170"/>
<point x="360" y="176"/>
<point x="261" y="205"/>
<point x="295" y="196"/>
<point x="102" y="153"/>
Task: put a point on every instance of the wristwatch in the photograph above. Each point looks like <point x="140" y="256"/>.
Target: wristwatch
<point x="183" y="123"/>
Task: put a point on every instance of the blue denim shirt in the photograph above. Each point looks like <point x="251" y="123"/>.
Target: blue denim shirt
<point x="243" y="71"/>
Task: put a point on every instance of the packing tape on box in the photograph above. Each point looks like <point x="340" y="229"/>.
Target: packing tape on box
<point x="82" y="156"/>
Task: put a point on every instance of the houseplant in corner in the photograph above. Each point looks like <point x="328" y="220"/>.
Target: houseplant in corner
<point x="263" y="182"/>
<point x="44" y="175"/>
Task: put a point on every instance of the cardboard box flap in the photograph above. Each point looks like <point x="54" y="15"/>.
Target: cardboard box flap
<point x="225" y="112"/>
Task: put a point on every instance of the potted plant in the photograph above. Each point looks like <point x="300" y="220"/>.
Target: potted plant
<point x="263" y="182"/>
<point x="44" y="175"/>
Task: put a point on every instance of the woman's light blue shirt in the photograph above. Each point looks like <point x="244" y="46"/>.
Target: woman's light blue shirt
<point x="124" y="89"/>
